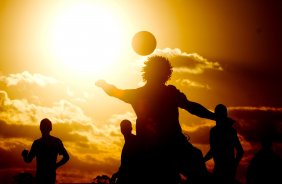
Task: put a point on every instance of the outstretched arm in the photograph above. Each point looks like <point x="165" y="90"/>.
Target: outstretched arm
<point x="198" y="110"/>
<point x="109" y="88"/>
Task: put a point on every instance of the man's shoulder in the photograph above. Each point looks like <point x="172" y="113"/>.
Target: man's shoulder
<point x="50" y="138"/>
<point x="53" y="138"/>
<point x="36" y="141"/>
<point x="172" y="87"/>
<point x="174" y="90"/>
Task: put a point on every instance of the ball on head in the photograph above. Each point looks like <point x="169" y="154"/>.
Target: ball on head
<point x="144" y="43"/>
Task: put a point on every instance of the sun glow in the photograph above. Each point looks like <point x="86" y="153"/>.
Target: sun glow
<point x="88" y="38"/>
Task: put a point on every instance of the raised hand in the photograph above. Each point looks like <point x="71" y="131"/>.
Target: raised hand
<point x="100" y="83"/>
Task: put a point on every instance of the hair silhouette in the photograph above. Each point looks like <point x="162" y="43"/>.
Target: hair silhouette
<point x="157" y="68"/>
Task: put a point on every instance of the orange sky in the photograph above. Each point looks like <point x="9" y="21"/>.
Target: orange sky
<point x="52" y="52"/>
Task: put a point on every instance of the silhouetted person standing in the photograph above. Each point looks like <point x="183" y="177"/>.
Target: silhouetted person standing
<point x="127" y="173"/>
<point x="46" y="149"/>
<point x="223" y="143"/>
<point x="266" y="165"/>
<point x="157" y="126"/>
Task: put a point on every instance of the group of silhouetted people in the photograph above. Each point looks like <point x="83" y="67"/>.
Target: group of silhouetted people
<point x="159" y="153"/>
<point x="163" y="151"/>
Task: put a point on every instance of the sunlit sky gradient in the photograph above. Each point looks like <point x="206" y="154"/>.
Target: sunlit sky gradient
<point x="53" y="51"/>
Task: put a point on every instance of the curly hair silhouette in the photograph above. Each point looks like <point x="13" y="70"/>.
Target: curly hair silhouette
<point x="157" y="68"/>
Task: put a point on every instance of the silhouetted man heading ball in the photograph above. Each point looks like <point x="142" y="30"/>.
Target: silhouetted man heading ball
<point x="156" y="106"/>
<point x="46" y="149"/>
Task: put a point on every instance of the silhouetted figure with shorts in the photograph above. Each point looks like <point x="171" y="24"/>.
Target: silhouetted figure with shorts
<point x="127" y="173"/>
<point x="157" y="126"/>
<point x="266" y="165"/>
<point x="46" y="149"/>
<point x="223" y="143"/>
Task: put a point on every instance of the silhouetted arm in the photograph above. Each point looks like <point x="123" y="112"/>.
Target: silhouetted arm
<point x="208" y="156"/>
<point x="65" y="158"/>
<point x="198" y="110"/>
<point x="29" y="155"/>
<point x="239" y="150"/>
<point x="110" y="89"/>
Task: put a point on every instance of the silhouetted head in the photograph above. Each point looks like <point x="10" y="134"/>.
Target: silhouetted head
<point x="220" y="114"/>
<point x="125" y="127"/>
<point x="45" y="126"/>
<point x="157" y="70"/>
<point x="220" y="111"/>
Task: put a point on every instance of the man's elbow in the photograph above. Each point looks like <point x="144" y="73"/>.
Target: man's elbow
<point x="26" y="160"/>
<point x="66" y="157"/>
<point x="240" y="153"/>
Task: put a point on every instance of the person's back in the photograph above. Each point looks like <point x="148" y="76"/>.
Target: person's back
<point x="157" y="112"/>
<point x="46" y="149"/>
<point x="128" y="170"/>
<point x="223" y="142"/>
<point x="265" y="166"/>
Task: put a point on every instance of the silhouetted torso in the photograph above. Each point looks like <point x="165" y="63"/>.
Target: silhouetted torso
<point x="129" y="161"/>
<point x="223" y="141"/>
<point x="46" y="150"/>
<point x="156" y="110"/>
<point x="265" y="167"/>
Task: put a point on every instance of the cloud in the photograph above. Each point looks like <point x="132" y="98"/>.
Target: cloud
<point x="77" y="169"/>
<point x="255" y="122"/>
<point x="26" y="77"/>
<point x="188" y="63"/>
<point x="252" y="123"/>
<point x="187" y="82"/>
<point x="200" y="135"/>
<point x="10" y="151"/>
<point x="185" y="65"/>
<point x="23" y="112"/>
<point x="93" y="149"/>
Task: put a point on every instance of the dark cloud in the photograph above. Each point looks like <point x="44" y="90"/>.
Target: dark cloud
<point x="62" y="130"/>
<point x="254" y="123"/>
<point x="11" y="155"/>
<point x="18" y="131"/>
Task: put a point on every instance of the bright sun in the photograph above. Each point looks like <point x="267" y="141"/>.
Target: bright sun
<point x="87" y="38"/>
